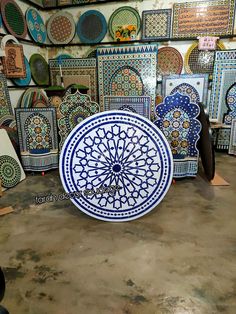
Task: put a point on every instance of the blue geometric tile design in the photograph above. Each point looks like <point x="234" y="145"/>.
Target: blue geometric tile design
<point x="176" y="117"/>
<point x="156" y="24"/>
<point x="224" y="75"/>
<point x="193" y="85"/>
<point x="231" y="104"/>
<point x="127" y="71"/>
<point x="232" y="144"/>
<point x="119" y="163"/>
<point x="37" y="130"/>
<point x="138" y="104"/>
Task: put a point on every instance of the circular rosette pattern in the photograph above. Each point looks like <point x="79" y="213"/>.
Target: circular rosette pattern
<point x="10" y="172"/>
<point x="120" y="163"/>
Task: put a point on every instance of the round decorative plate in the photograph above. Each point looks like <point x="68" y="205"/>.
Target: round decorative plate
<point x="39" y="69"/>
<point x="117" y="166"/>
<point x="124" y="16"/>
<point x="91" y="27"/>
<point x="32" y="96"/>
<point x="24" y="81"/>
<point x="36" y="25"/>
<point x="61" y="28"/>
<point x="170" y="61"/>
<point x="205" y="144"/>
<point x="13" y="18"/>
<point x="231" y="96"/>
<point x="200" y="61"/>
<point x="10" y="172"/>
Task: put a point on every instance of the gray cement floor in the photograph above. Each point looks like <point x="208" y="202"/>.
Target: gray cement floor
<point x="181" y="258"/>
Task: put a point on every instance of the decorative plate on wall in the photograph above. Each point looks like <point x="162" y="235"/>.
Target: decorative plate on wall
<point x="13" y="18"/>
<point x="36" y="25"/>
<point x="124" y="16"/>
<point x="24" y="81"/>
<point x="169" y="61"/>
<point x="200" y="61"/>
<point x="156" y="24"/>
<point x="118" y="165"/>
<point x="39" y="69"/>
<point x="91" y="27"/>
<point x="61" y="28"/>
<point x="33" y="96"/>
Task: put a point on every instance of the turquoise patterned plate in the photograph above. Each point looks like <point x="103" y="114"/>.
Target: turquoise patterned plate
<point x="36" y="25"/>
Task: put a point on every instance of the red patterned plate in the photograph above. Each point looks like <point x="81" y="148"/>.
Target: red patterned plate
<point x="170" y="61"/>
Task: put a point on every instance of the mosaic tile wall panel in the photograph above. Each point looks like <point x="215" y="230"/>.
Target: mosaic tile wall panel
<point x="231" y="104"/>
<point x="232" y="143"/>
<point x="198" y="18"/>
<point x="37" y="130"/>
<point x="177" y="118"/>
<point x="137" y="104"/>
<point x="195" y="86"/>
<point x="73" y="110"/>
<point x="11" y="171"/>
<point x="77" y="69"/>
<point x="156" y="24"/>
<point x="222" y="138"/>
<point x="127" y="71"/>
<point x="224" y="76"/>
<point x="5" y="102"/>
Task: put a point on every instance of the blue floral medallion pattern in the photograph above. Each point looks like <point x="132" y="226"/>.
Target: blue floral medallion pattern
<point x="120" y="164"/>
<point x="177" y="120"/>
<point x="231" y="104"/>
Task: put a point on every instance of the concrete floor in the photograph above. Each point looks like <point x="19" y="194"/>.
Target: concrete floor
<point x="181" y="258"/>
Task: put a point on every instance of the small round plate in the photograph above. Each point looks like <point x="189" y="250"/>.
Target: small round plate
<point x="36" y="25"/>
<point x="124" y="16"/>
<point x="13" y="18"/>
<point x="24" y="81"/>
<point x="61" y="28"/>
<point x="170" y="61"/>
<point x="39" y="69"/>
<point x="32" y="96"/>
<point x="117" y="166"/>
<point x="205" y="144"/>
<point x="91" y="27"/>
<point x="10" y="172"/>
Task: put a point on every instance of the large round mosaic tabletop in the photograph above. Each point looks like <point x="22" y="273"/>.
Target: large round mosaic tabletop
<point x="10" y="172"/>
<point x="36" y="25"/>
<point x="13" y="18"/>
<point x="91" y="27"/>
<point x="61" y="28"/>
<point x="123" y="16"/>
<point x="116" y="166"/>
<point x="170" y="61"/>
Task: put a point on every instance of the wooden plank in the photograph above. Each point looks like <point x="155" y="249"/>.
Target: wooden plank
<point x="6" y="210"/>
<point x="218" y="181"/>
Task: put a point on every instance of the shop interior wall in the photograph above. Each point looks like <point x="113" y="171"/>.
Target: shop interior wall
<point x="106" y="9"/>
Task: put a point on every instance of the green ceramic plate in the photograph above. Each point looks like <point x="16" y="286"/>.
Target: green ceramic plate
<point x="39" y="69"/>
<point x="124" y="16"/>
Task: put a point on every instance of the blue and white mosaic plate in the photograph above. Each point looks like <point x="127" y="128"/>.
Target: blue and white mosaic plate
<point x="117" y="166"/>
<point x="36" y="25"/>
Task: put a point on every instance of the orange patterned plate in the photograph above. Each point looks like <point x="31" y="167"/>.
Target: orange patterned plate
<point x="170" y="61"/>
<point x="61" y="28"/>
